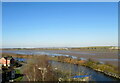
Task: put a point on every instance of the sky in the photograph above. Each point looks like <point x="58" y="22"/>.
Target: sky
<point x="63" y="24"/>
<point x="60" y="0"/>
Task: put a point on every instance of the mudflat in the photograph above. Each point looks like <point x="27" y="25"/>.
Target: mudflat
<point x="106" y="56"/>
<point x="101" y="55"/>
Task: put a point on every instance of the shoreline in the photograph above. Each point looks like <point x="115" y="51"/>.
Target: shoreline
<point x="114" y="75"/>
<point x="93" y="54"/>
<point x="74" y="62"/>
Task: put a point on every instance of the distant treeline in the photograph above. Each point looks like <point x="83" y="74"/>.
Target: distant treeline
<point x="96" y="47"/>
<point x="100" y="47"/>
<point x="66" y="48"/>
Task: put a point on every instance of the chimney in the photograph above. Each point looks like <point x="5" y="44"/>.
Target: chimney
<point x="6" y="60"/>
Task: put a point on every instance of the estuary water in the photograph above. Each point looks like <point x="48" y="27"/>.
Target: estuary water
<point x="95" y="76"/>
<point x="75" y="69"/>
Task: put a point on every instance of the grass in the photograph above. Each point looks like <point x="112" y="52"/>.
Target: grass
<point x="42" y="62"/>
<point x="92" y="64"/>
<point x="103" y="67"/>
<point x="17" y="71"/>
<point x="20" y="77"/>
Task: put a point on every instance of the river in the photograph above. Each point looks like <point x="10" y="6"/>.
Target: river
<point x="75" y="69"/>
<point x="95" y="76"/>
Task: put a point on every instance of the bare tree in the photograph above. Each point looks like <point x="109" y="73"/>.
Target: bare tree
<point x="39" y="69"/>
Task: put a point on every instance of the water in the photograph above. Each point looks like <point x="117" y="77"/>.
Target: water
<point x="94" y="76"/>
<point x="108" y="59"/>
<point x="44" y="52"/>
<point x="54" y="53"/>
<point x="35" y="52"/>
<point x="20" y="59"/>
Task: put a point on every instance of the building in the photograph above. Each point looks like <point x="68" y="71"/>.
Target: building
<point x="6" y="61"/>
<point x="8" y="75"/>
<point x="7" y="68"/>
